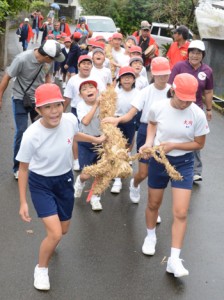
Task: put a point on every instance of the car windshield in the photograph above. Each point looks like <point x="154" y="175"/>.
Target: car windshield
<point x="101" y="25"/>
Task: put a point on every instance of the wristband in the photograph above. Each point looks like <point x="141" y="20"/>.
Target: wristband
<point x="208" y="109"/>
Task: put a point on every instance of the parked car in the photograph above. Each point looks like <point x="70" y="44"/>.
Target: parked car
<point x="101" y="25"/>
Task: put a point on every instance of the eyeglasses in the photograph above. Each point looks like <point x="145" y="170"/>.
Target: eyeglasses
<point x="196" y="53"/>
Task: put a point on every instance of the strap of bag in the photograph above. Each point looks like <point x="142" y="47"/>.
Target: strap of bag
<point x="31" y="82"/>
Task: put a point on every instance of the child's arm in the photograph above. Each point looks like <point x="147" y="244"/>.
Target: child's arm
<point x="23" y="179"/>
<point x="88" y="117"/>
<point x="82" y="137"/>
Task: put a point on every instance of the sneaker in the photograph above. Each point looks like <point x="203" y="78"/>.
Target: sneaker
<point x="64" y="85"/>
<point x="41" y="279"/>
<point x="149" y="245"/>
<point x="134" y="193"/>
<point x="95" y="203"/>
<point x="158" y="221"/>
<point x="16" y="175"/>
<point x="79" y="186"/>
<point x="60" y="77"/>
<point x="175" y="266"/>
<point x="197" y="177"/>
<point x="116" y="188"/>
<point x="76" y="166"/>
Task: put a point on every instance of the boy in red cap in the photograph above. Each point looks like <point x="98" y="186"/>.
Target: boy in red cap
<point x="46" y="161"/>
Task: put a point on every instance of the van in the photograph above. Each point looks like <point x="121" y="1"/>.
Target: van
<point x="101" y="25"/>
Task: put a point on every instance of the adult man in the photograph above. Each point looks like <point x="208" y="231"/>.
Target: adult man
<point x="71" y="93"/>
<point x="30" y="68"/>
<point x="147" y="43"/>
<point x="178" y="49"/>
<point x="64" y="27"/>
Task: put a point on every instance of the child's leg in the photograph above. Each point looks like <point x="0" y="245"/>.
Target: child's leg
<point x="55" y="229"/>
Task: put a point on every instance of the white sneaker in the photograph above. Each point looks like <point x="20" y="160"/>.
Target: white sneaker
<point x="95" y="203"/>
<point x="159" y="220"/>
<point x="41" y="279"/>
<point x="149" y="245"/>
<point x="16" y="175"/>
<point x="134" y="193"/>
<point x="64" y="85"/>
<point x="197" y="177"/>
<point x="76" y="166"/>
<point x="78" y="186"/>
<point x="175" y="266"/>
<point x="60" y="77"/>
<point x="116" y="188"/>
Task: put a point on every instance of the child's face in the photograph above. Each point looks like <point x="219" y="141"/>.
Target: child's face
<point x="128" y="44"/>
<point x="137" y="66"/>
<point x="51" y="114"/>
<point x="161" y="80"/>
<point x="135" y="54"/>
<point x="127" y="81"/>
<point x="116" y="43"/>
<point x="85" y="68"/>
<point x="98" y="58"/>
<point x="89" y="93"/>
<point x="67" y="44"/>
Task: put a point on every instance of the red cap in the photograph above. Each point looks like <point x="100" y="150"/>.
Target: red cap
<point x="58" y="37"/>
<point x="160" y="66"/>
<point x="90" y="81"/>
<point x="48" y="93"/>
<point x="51" y="35"/>
<point x="84" y="57"/>
<point x="67" y="39"/>
<point x="117" y="36"/>
<point x="98" y="45"/>
<point x="63" y="34"/>
<point x="77" y="35"/>
<point x="185" y="86"/>
<point x="100" y="38"/>
<point x="135" y="49"/>
<point x="90" y="42"/>
<point x="126" y="70"/>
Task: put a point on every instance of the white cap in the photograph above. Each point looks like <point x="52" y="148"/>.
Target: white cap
<point x="52" y="49"/>
<point x="197" y="44"/>
<point x="26" y="20"/>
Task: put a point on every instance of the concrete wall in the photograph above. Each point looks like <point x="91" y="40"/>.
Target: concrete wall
<point x="3" y="43"/>
<point x="215" y="59"/>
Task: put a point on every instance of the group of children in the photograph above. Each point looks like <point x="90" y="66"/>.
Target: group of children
<point x="161" y="117"/>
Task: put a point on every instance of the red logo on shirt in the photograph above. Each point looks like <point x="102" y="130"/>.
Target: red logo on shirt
<point x="188" y="123"/>
<point x="69" y="141"/>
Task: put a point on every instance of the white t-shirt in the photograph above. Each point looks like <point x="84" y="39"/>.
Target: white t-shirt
<point x="146" y="97"/>
<point x="104" y="74"/>
<point x="141" y="82"/>
<point x="144" y="73"/>
<point x="124" y="100"/>
<point x="177" y="126"/>
<point x="94" y="126"/>
<point x="118" y="57"/>
<point x="106" y="63"/>
<point x="49" y="150"/>
<point x="72" y="88"/>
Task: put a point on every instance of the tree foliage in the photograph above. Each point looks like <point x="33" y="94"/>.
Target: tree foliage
<point x="128" y="14"/>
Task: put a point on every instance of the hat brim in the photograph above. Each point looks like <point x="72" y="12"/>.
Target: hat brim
<point x="59" y="58"/>
<point x="160" y="73"/>
<point x="50" y="101"/>
<point x="145" y="27"/>
<point x="184" y="97"/>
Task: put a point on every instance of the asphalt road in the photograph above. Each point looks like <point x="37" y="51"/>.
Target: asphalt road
<point x="100" y="258"/>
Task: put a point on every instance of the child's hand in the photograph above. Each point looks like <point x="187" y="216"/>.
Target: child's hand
<point x="101" y="139"/>
<point x="24" y="212"/>
<point x="112" y="120"/>
<point x="145" y="151"/>
<point x="167" y="146"/>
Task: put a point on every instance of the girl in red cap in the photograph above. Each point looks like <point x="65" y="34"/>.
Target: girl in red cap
<point x="180" y="127"/>
<point x="46" y="161"/>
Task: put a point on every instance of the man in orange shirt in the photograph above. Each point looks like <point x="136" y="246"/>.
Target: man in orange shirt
<point x="178" y="49"/>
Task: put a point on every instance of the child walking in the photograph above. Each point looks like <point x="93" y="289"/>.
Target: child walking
<point x="46" y="160"/>
<point x="88" y="115"/>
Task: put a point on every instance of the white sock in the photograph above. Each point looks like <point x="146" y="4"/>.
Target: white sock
<point x="175" y="252"/>
<point x="117" y="180"/>
<point x="151" y="232"/>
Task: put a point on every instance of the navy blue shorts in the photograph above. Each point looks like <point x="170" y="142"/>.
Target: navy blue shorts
<point x="128" y="130"/>
<point x="158" y="177"/>
<point x="73" y="70"/>
<point x="137" y="120"/>
<point x="87" y="154"/>
<point x="74" y="111"/>
<point x="52" y="195"/>
<point x="141" y="138"/>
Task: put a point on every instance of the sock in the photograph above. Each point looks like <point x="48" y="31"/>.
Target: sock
<point x="117" y="180"/>
<point x="175" y="253"/>
<point x="151" y="232"/>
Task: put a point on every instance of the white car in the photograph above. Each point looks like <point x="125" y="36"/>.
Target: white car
<point x="100" y="25"/>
